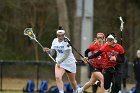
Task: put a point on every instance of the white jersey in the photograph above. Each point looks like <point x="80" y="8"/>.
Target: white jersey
<point x="69" y="63"/>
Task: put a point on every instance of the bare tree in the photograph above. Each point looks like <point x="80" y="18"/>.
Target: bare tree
<point x="63" y="15"/>
<point x="16" y="15"/>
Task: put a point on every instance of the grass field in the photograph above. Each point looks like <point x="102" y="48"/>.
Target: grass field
<point x="16" y="84"/>
<point x="129" y="86"/>
<point x="11" y="92"/>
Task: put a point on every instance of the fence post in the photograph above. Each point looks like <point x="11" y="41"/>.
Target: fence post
<point x="1" y="75"/>
<point x="37" y="75"/>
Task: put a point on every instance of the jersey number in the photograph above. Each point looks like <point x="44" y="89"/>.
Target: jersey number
<point x="60" y="51"/>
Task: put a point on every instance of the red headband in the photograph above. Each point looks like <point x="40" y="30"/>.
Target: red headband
<point x="100" y="35"/>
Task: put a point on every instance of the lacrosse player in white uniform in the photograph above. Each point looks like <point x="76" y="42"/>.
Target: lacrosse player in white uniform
<point x="65" y="60"/>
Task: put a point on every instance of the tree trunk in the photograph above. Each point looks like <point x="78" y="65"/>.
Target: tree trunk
<point x="77" y="35"/>
<point x="63" y="15"/>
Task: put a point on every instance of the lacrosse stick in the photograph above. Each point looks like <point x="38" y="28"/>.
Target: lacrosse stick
<point x="29" y="33"/>
<point x="67" y="40"/>
<point x="121" y="28"/>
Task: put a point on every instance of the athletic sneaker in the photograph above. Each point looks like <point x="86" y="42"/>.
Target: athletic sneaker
<point x="107" y="91"/>
<point x="75" y="91"/>
<point x="97" y="83"/>
<point x="80" y="90"/>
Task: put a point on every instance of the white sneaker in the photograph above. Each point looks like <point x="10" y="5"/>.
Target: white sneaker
<point x="97" y="82"/>
<point x="80" y="90"/>
<point x="75" y="91"/>
<point x="107" y="91"/>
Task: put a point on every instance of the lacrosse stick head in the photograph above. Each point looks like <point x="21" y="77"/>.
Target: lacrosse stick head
<point x="29" y="32"/>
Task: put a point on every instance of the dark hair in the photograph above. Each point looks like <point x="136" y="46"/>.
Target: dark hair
<point x="107" y="35"/>
<point x="60" y="28"/>
<point x="113" y="34"/>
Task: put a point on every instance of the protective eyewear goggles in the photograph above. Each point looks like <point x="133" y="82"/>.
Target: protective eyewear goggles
<point x="109" y="39"/>
<point x="100" y="37"/>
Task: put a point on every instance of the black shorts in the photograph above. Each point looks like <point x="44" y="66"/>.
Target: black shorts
<point x="94" y="69"/>
<point x="68" y="71"/>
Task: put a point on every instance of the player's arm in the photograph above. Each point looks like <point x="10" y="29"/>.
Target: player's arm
<point x="66" y="54"/>
<point x="122" y="56"/>
<point x="51" y="52"/>
<point x="92" y="56"/>
<point x="86" y="52"/>
<point x="95" y="55"/>
<point x="121" y="59"/>
<point x="101" y="50"/>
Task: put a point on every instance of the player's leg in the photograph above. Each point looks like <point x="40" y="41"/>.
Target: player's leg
<point x="71" y="77"/>
<point x="94" y="88"/>
<point x="116" y="87"/>
<point x="59" y="72"/>
<point x="107" y="80"/>
<point x="138" y="87"/>
<point x="124" y="83"/>
<point x="116" y="83"/>
<point x="100" y="77"/>
<point x="88" y="84"/>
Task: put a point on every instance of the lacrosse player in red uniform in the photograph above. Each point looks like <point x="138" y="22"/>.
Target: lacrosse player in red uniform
<point x="114" y="57"/>
<point x="95" y="63"/>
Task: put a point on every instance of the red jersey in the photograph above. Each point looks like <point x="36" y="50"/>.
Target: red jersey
<point x="96" y="62"/>
<point x="111" y="51"/>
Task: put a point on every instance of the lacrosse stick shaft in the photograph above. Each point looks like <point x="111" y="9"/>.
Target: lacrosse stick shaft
<point x="51" y="57"/>
<point x="74" y="48"/>
<point x="78" y="52"/>
<point x="121" y="38"/>
<point x="39" y="44"/>
<point x="46" y="52"/>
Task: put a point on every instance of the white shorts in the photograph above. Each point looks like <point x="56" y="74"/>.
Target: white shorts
<point x="69" y="66"/>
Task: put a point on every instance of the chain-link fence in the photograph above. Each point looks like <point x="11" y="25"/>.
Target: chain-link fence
<point x="0" y="76"/>
<point x="14" y="75"/>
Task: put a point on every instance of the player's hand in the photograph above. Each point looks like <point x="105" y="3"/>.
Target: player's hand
<point x="113" y="58"/>
<point x="45" y="49"/>
<point x="85" y="59"/>
<point x="58" y="65"/>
